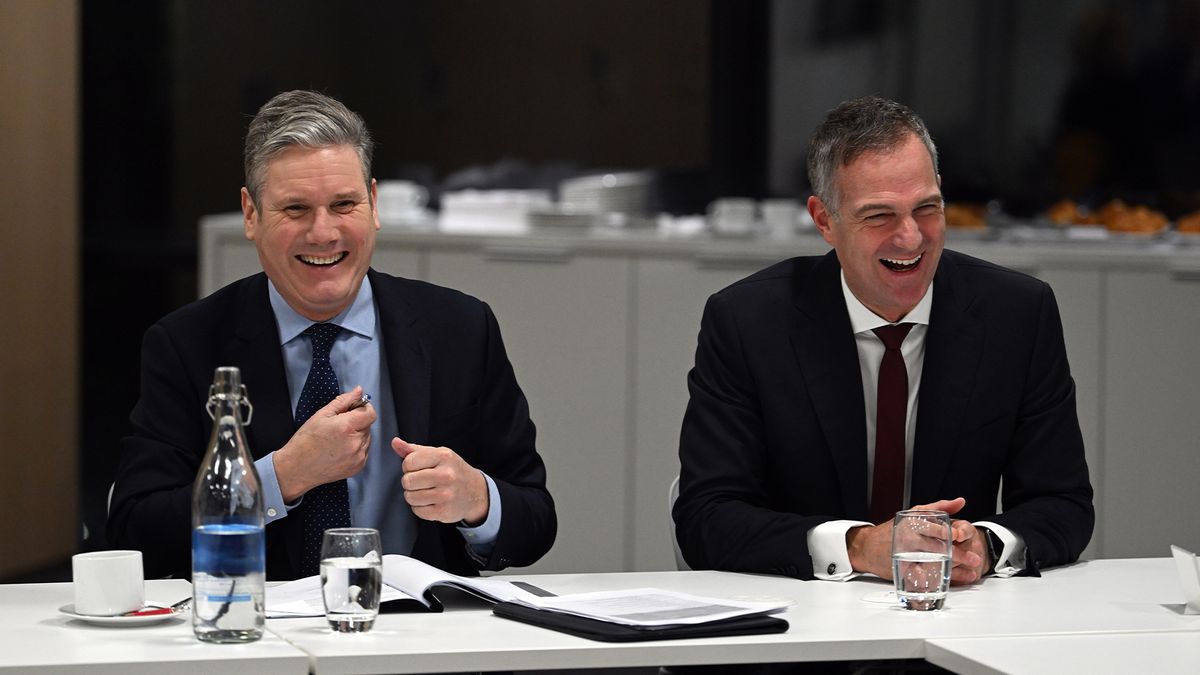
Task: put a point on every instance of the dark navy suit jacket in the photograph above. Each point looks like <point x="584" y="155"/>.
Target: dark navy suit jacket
<point x="774" y="437"/>
<point x="452" y="385"/>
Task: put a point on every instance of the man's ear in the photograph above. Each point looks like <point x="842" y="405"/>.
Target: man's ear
<point x="249" y="215"/>
<point x="375" y="203"/>
<point x="823" y="219"/>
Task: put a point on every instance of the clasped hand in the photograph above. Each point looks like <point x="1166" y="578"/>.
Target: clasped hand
<point x="331" y="445"/>
<point x="439" y="485"/>
<point x="870" y="547"/>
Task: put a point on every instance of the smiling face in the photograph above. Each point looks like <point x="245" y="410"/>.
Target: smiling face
<point x="889" y="228"/>
<point x="314" y="227"/>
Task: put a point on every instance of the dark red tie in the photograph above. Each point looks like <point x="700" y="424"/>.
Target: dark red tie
<point x="891" y="413"/>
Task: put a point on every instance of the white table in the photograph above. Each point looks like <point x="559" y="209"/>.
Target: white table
<point x="35" y="637"/>
<point x="1159" y="653"/>
<point x="828" y="621"/>
<point x="1069" y="617"/>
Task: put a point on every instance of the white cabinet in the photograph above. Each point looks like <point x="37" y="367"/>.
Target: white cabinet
<point x="1151" y="377"/>
<point x="670" y="298"/>
<point x="565" y="321"/>
<point x="225" y="253"/>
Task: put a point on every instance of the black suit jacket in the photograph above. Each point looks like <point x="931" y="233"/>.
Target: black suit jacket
<point x="774" y="437"/>
<point x="452" y="385"/>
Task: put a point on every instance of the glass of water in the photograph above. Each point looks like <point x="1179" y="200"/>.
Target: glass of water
<point x="351" y="578"/>
<point x="921" y="548"/>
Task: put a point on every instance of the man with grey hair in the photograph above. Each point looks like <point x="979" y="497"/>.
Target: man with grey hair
<point x="829" y="392"/>
<point x="441" y="460"/>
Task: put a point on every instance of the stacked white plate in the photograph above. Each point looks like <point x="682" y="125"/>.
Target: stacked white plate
<point x="490" y="211"/>
<point x="623" y="192"/>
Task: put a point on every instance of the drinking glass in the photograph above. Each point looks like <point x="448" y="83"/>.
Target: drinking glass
<point x="351" y="578"/>
<point x="921" y="552"/>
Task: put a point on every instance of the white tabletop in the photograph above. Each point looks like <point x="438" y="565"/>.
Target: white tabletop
<point x="828" y="621"/>
<point x="1073" y="612"/>
<point x="1100" y="654"/>
<point x="36" y="637"/>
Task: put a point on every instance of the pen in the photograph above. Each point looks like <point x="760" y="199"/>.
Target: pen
<point x="366" y="398"/>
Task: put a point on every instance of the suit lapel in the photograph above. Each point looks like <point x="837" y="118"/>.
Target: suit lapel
<point x="255" y="349"/>
<point x="953" y="349"/>
<point x="406" y="357"/>
<point x="828" y="358"/>
<point x="409" y="372"/>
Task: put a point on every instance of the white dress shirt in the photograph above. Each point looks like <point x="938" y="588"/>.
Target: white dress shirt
<point x="827" y="541"/>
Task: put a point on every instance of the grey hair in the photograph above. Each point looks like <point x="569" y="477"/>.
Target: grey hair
<point x="307" y="119"/>
<point x="855" y="127"/>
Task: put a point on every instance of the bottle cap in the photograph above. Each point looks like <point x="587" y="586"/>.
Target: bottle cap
<point x="227" y="382"/>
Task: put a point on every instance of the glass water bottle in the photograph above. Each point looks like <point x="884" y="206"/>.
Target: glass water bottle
<point x="228" y="546"/>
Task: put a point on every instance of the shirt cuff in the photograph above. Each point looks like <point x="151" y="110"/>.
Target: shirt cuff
<point x="481" y="539"/>
<point x="1011" y="559"/>
<point x="827" y="548"/>
<point x="274" y="507"/>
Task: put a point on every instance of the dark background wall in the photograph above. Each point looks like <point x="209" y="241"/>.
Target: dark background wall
<point x="168" y="88"/>
<point x="1028" y="101"/>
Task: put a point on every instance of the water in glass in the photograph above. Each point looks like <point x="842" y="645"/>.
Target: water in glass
<point x="351" y="588"/>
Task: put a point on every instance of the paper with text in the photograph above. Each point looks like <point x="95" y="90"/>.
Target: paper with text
<point x="651" y="607"/>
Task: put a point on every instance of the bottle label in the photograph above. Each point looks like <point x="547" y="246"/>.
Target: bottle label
<point x="228" y="550"/>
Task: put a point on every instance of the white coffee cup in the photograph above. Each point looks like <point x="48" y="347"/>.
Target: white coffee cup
<point x="400" y="199"/>
<point x="108" y="583"/>
<point x="780" y="215"/>
<point x="732" y="216"/>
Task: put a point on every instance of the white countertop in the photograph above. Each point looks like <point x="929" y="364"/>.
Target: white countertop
<point x="1020" y="247"/>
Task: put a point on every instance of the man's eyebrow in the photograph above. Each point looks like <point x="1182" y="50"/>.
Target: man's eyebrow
<point x="935" y="198"/>
<point x="286" y="200"/>
<point x="873" y="207"/>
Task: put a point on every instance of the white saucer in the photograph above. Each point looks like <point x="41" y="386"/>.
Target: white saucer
<point x="120" y="620"/>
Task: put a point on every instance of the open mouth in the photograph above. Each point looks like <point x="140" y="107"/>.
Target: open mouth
<point x="901" y="265"/>
<point x="322" y="261"/>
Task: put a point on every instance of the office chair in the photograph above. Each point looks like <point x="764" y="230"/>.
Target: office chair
<point x="672" y="495"/>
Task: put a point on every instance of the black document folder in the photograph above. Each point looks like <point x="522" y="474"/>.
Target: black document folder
<point x="607" y="631"/>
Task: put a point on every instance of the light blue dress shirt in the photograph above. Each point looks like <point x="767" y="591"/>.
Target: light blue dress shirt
<point x="376" y="497"/>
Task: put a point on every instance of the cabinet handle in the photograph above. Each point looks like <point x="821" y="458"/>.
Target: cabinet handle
<point x="527" y="254"/>
<point x="1185" y="273"/>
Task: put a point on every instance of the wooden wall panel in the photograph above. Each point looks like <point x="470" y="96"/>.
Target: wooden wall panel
<point x="39" y="223"/>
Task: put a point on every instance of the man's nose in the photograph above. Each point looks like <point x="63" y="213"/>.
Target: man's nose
<point x="323" y="227"/>
<point x="908" y="233"/>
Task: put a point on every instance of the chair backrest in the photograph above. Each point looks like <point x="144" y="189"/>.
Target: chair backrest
<point x="672" y="495"/>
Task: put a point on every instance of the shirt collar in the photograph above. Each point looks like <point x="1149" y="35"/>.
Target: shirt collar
<point x="863" y="319"/>
<point x="358" y="318"/>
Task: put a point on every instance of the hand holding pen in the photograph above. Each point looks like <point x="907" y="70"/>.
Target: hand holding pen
<point x="331" y="445"/>
<point x="364" y="400"/>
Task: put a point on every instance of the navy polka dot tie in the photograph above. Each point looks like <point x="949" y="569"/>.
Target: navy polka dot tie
<point x="327" y="505"/>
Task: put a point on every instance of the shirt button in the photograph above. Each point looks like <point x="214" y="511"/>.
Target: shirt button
<point x="832" y="569"/>
<point x="271" y="512"/>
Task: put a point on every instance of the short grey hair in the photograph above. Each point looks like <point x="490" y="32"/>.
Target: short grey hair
<point x="855" y="127"/>
<point x="306" y="119"/>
